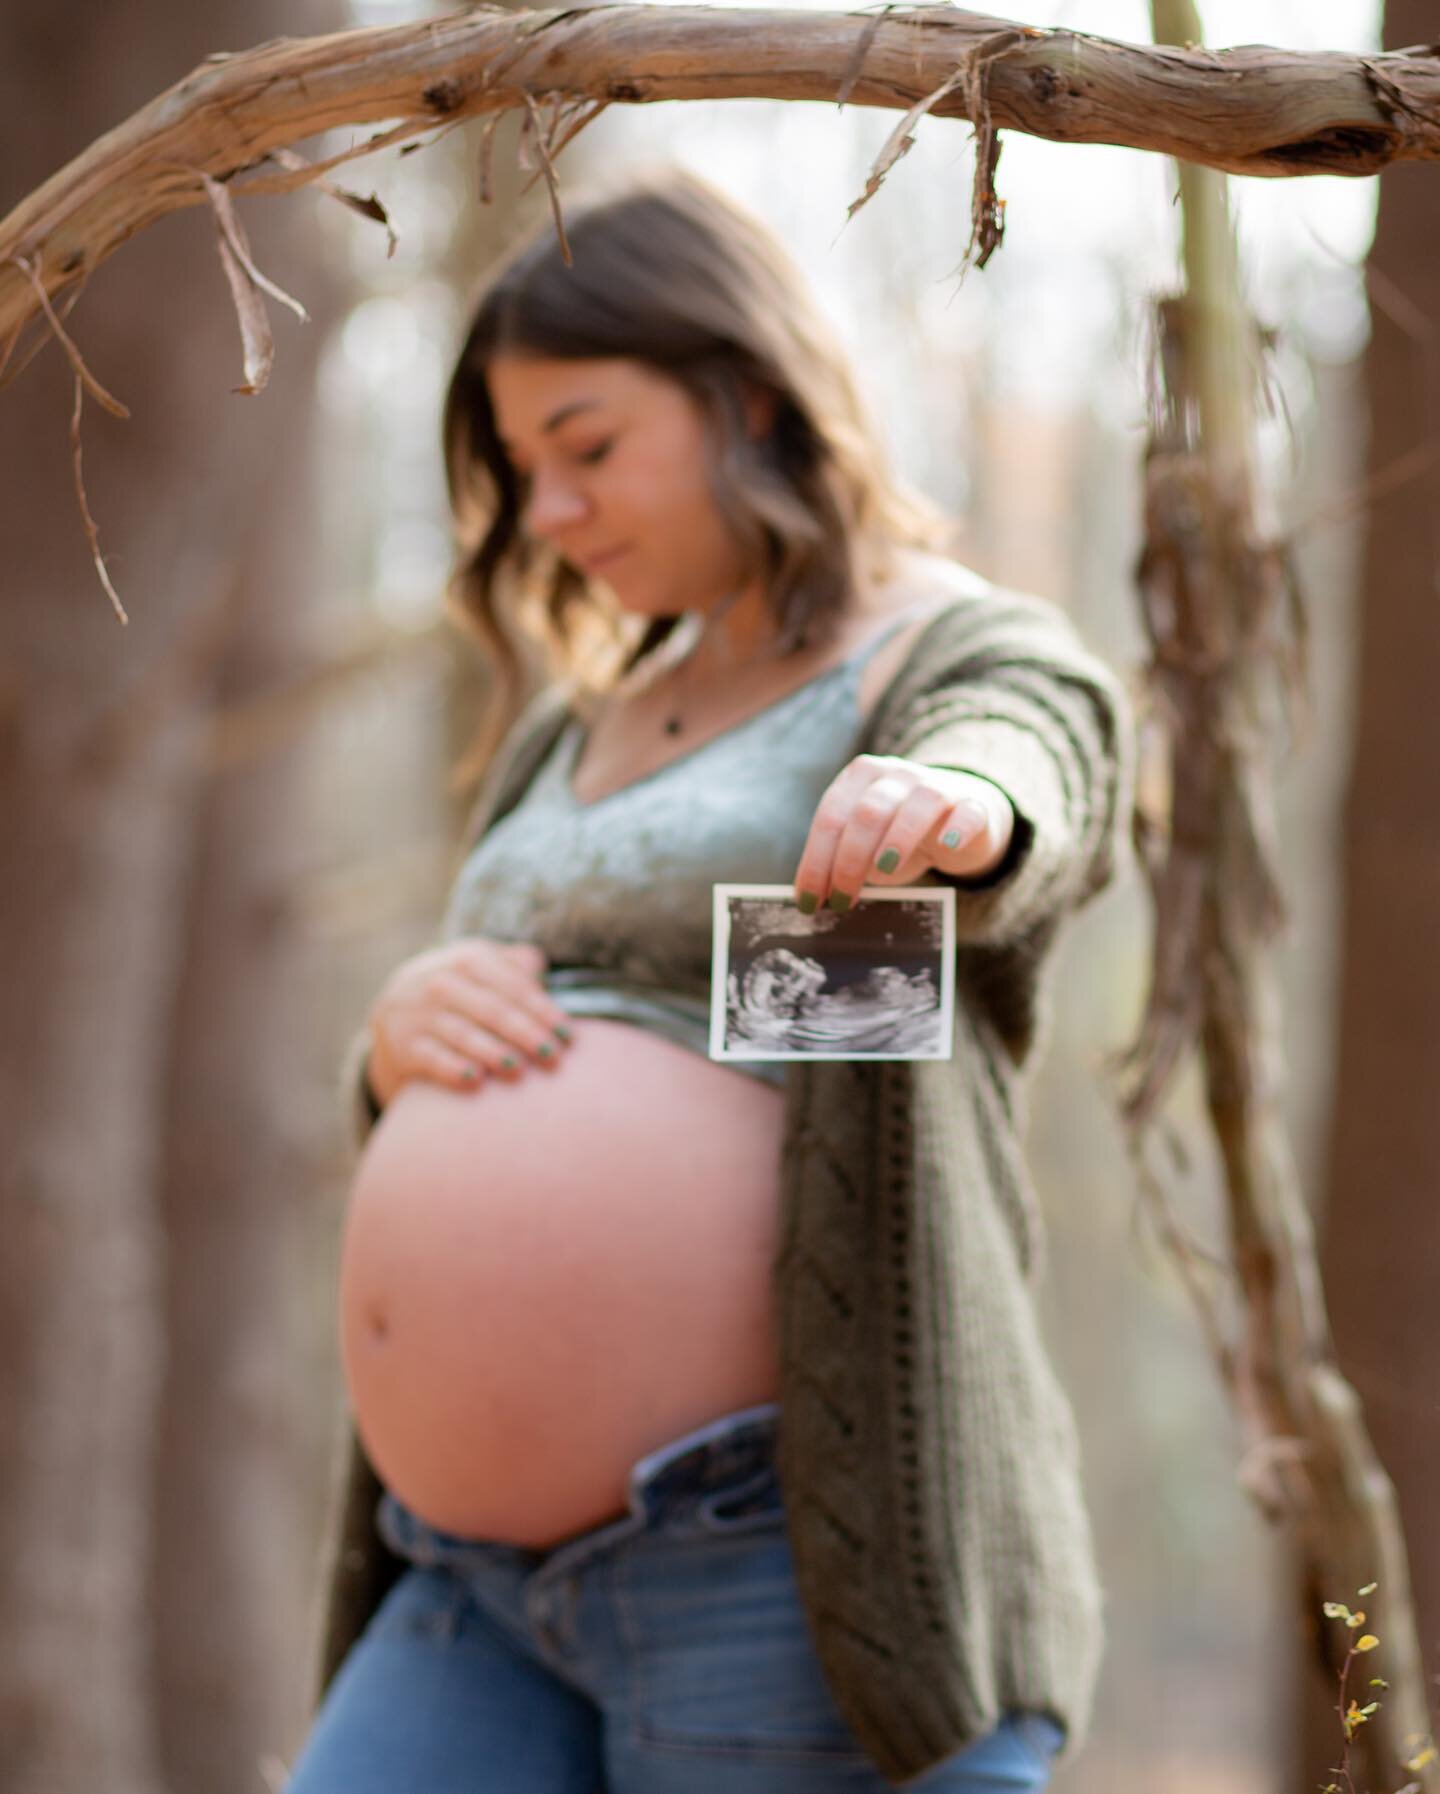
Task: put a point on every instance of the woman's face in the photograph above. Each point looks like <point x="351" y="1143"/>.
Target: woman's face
<point x="612" y="460"/>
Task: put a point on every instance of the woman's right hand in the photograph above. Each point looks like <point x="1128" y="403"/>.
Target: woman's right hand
<point x="462" y="1012"/>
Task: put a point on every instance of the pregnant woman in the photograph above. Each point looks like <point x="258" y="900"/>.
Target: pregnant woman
<point x="703" y="1435"/>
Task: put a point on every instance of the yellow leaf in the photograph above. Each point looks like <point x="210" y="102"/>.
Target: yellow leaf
<point x="1369" y="1588"/>
<point x="1426" y="1756"/>
<point x="1367" y="1643"/>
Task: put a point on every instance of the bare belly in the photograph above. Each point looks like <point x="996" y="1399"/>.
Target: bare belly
<point x="542" y="1281"/>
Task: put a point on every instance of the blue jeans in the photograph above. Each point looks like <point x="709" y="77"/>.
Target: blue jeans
<point x="665" y="1652"/>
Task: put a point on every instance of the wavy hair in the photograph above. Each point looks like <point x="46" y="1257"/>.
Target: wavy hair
<point x="670" y="272"/>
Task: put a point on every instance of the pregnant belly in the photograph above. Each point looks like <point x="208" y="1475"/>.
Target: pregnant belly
<point x="542" y="1281"/>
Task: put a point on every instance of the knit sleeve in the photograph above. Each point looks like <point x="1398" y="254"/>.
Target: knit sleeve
<point x="1022" y="703"/>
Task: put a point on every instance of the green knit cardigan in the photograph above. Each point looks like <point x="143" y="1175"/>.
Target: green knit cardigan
<point x="927" y="1452"/>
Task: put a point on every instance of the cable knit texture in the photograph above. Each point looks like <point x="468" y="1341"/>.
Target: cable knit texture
<point x="927" y="1451"/>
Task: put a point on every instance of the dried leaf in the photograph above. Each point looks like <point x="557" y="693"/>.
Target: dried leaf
<point x="901" y="139"/>
<point x="256" y="339"/>
<point x="234" y="234"/>
<point x="357" y="202"/>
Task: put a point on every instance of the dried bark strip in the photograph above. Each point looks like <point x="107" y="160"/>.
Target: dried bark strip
<point x="1251" y="110"/>
<point x="1226" y="630"/>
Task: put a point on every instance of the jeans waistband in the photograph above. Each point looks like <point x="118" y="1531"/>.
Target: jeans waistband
<point x="667" y="1488"/>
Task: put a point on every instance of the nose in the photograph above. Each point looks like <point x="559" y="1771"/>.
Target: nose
<point x="553" y="506"/>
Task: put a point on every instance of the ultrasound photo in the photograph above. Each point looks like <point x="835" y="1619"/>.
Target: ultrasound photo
<point x="874" y="983"/>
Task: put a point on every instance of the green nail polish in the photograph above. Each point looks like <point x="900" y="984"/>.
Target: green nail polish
<point x="509" y="1063"/>
<point x="838" y="900"/>
<point x="563" y="1034"/>
<point x="888" y="860"/>
<point x="545" y="1050"/>
<point x="952" y="839"/>
<point x="809" y="903"/>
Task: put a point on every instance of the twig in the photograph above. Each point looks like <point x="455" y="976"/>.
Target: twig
<point x="533" y="120"/>
<point x="293" y="181"/>
<point x="91" y="531"/>
<point x="42" y="336"/>
<point x="487" y="155"/>
<point x="77" y="361"/>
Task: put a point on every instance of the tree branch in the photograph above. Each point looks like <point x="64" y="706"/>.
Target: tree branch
<point x="1251" y="110"/>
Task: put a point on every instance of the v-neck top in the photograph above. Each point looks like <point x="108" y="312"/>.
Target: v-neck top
<point x="617" y="891"/>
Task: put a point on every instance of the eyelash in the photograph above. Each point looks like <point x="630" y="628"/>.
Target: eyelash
<point x="590" y="458"/>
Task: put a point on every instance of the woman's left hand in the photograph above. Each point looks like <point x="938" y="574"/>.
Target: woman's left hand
<point x="884" y="821"/>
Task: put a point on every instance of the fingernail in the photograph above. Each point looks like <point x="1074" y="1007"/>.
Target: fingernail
<point x="509" y="1063"/>
<point x="563" y="1035"/>
<point x="469" y="1073"/>
<point x="838" y="900"/>
<point x="545" y="1050"/>
<point x="888" y="860"/>
<point x="809" y="903"/>
<point x="950" y="839"/>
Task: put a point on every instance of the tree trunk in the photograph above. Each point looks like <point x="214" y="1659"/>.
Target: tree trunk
<point x="1381" y="1224"/>
<point x="231" y="1582"/>
<point x="101" y="737"/>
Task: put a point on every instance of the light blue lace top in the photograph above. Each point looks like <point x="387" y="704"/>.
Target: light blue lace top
<point x="618" y="891"/>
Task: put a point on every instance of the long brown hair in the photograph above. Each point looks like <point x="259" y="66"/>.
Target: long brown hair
<point x="670" y="272"/>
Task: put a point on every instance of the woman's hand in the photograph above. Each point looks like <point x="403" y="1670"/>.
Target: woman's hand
<point x="884" y="821"/>
<point x="462" y="1012"/>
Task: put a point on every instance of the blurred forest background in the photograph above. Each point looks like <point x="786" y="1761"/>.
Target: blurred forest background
<point x="225" y="823"/>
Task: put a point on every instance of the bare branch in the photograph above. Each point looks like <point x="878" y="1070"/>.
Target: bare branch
<point x="1250" y="110"/>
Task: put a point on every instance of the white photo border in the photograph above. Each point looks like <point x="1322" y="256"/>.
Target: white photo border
<point x="942" y="896"/>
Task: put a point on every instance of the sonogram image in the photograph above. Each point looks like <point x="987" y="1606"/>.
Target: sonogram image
<point x="874" y="982"/>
